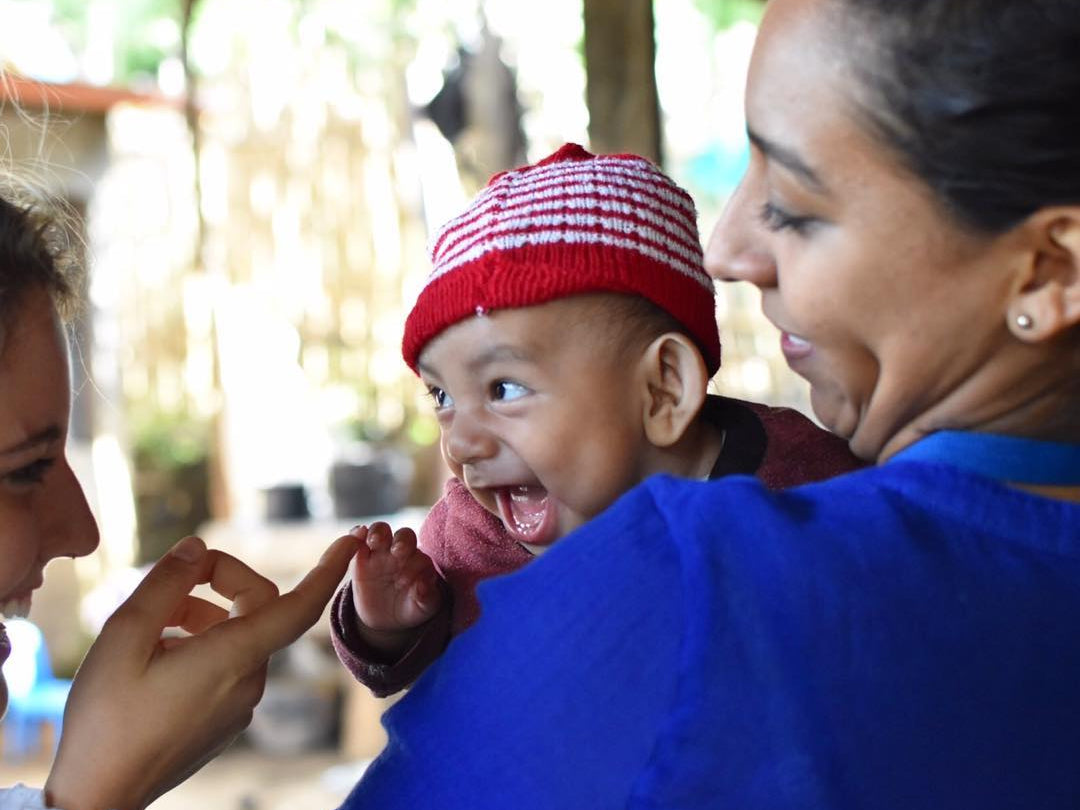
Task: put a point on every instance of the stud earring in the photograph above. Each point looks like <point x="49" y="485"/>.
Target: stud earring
<point x="1024" y="321"/>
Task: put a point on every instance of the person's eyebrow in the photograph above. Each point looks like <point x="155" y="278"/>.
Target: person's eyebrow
<point x="493" y="354"/>
<point x="499" y="352"/>
<point x="50" y="434"/>
<point x="788" y="159"/>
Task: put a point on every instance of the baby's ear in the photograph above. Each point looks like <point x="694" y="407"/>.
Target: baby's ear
<point x="675" y="380"/>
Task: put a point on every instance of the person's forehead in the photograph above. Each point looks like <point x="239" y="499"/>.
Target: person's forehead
<point x="34" y="392"/>
<point x="536" y="335"/>
<point x="796" y="65"/>
<point x="803" y="94"/>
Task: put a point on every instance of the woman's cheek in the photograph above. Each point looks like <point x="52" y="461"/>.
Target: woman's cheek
<point x="18" y="550"/>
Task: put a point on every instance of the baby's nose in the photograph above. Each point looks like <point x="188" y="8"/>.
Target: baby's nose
<point x="469" y="441"/>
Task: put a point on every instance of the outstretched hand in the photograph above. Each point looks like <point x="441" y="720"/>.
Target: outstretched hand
<point x="395" y="587"/>
<point x="144" y="713"/>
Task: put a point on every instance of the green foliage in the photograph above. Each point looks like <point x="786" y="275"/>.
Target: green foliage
<point x="725" y="13"/>
<point x="70" y="17"/>
<point x="167" y="441"/>
<point x="171" y="480"/>
<point x="145" y="31"/>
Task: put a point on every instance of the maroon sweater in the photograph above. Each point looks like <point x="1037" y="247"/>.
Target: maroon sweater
<point x="468" y="544"/>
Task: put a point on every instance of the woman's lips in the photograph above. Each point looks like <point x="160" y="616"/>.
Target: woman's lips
<point x="794" y="347"/>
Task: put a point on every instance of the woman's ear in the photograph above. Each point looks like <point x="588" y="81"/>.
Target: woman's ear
<point x="1046" y="299"/>
<point x="674" y="382"/>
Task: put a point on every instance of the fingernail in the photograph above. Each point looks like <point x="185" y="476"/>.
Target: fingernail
<point x="189" y="550"/>
<point x="359" y="527"/>
<point x="333" y="547"/>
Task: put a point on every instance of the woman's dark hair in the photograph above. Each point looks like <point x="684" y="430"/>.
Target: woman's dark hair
<point x="35" y="251"/>
<point x="980" y="98"/>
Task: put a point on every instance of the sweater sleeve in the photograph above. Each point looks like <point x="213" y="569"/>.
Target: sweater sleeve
<point x="797" y="451"/>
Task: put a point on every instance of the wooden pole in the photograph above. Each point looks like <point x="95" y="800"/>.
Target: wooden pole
<point x="620" y="80"/>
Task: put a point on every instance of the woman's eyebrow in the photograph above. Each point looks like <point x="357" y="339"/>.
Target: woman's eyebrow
<point x="50" y="434"/>
<point x="788" y="159"/>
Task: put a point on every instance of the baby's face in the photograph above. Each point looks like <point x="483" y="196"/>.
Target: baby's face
<point x="541" y="417"/>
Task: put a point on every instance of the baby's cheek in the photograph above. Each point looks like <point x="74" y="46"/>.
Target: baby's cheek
<point x="454" y="467"/>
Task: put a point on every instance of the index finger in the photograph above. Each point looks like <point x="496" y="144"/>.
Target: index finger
<point x="147" y="612"/>
<point x="281" y="621"/>
<point x="238" y="582"/>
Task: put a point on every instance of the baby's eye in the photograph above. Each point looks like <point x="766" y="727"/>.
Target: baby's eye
<point x="32" y="473"/>
<point x="504" y="390"/>
<point x="441" y="399"/>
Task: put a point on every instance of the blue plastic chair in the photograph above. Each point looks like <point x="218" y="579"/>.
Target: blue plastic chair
<point x="35" y="695"/>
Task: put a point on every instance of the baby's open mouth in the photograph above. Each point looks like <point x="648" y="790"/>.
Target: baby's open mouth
<point x="527" y="513"/>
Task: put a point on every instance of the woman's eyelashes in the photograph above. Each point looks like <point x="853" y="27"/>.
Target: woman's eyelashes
<point x="29" y="474"/>
<point x="776" y="218"/>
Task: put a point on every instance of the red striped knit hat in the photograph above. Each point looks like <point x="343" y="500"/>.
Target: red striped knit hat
<point x="573" y="223"/>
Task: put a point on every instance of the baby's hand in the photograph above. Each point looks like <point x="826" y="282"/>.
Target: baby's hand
<point x="395" y="587"/>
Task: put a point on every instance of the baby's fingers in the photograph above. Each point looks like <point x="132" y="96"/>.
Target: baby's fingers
<point x="237" y="581"/>
<point x="421" y="581"/>
<point x="379" y="537"/>
<point x="427" y="595"/>
<point x="404" y="543"/>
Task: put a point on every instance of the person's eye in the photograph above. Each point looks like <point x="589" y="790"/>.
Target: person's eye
<point x="29" y="474"/>
<point x="439" y="396"/>
<point x="776" y="218"/>
<point x="505" y="391"/>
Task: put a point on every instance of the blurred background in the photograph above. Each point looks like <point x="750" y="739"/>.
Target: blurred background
<point x="253" y="184"/>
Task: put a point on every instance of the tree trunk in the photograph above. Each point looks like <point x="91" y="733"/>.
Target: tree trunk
<point x="620" y="81"/>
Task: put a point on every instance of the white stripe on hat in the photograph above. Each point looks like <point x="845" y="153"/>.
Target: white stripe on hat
<point x="646" y="188"/>
<point x="624" y="228"/>
<point x="617" y="202"/>
<point x="546" y="237"/>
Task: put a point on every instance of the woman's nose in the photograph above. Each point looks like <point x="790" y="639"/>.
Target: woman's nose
<point x="72" y="529"/>
<point x="737" y="250"/>
<point x="467" y="440"/>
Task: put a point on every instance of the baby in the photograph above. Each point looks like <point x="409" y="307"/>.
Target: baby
<point x="567" y="336"/>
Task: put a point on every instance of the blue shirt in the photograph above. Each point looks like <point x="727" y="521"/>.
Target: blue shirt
<point x="903" y="637"/>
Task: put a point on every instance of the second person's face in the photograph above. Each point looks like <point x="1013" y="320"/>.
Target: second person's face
<point x="43" y="512"/>
<point x="885" y="307"/>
